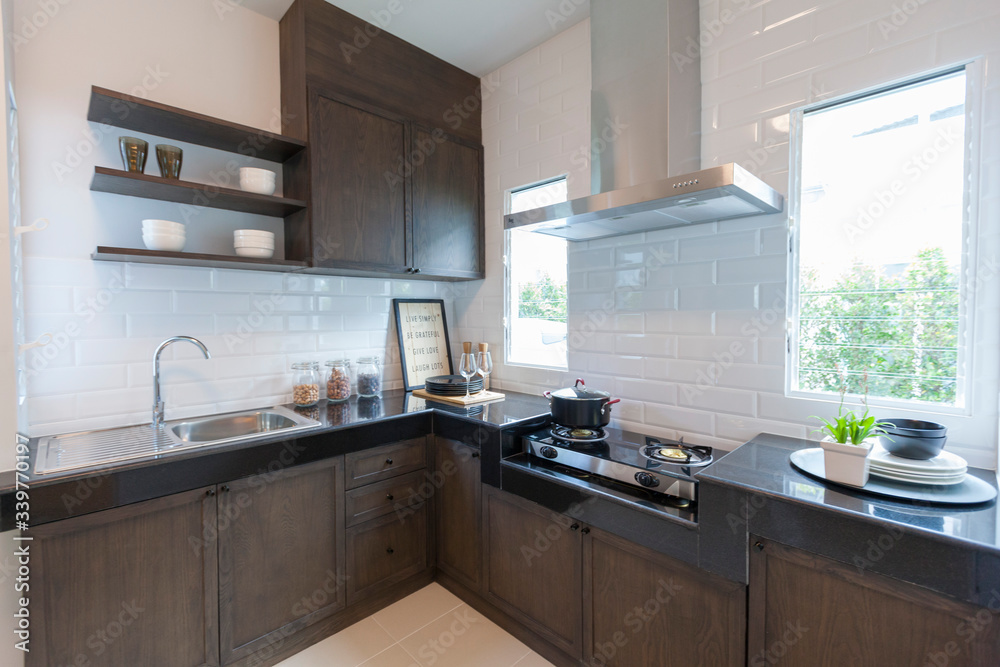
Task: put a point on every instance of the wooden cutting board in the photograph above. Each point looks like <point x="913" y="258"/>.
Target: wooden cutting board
<point x="481" y="397"/>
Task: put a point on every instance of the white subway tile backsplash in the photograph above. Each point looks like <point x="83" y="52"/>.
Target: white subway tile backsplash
<point x="209" y="302"/>
<point x="165" y="326"/>
<point x="680" y="419"/>
<point x="737" y="270"/>
<point x="729" y="297"/>
<point x="717" y="348"/>
<point x="718" y="246"/>
<point x="646" y="345"/>
<point x="150" y="276"/>
<point x="717" y="400"/>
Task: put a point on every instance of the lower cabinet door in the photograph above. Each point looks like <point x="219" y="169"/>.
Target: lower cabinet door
<point x="806" y="609"/>
<point x="386" y="551"/>
<point x="135" y="585"/>
<point x="459" y="512"/>
<point x="648" y="609"/>
<point x="534" y="566"/>
<point x="280" y="555"/>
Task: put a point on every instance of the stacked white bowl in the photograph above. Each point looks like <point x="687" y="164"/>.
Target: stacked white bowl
<point x="260" y="181"/>
<point x="163" y="235"/>
<point x="254" y="243"/>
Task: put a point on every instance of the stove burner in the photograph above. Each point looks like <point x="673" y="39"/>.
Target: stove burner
<point x="677" y="453"/>
<point x="578" y="434"/>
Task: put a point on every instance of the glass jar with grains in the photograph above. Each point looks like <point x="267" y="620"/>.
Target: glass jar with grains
<point x="305" y="383"/>
<point x="338" y="383"/>
<point x="369" y="376"/>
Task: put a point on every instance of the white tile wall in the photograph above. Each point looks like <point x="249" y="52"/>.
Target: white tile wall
<point x="659" y="332"/>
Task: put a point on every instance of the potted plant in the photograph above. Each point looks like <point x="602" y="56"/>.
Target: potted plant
<point x="848" y="442"/>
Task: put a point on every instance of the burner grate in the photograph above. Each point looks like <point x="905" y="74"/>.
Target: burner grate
<point x="578" y="434"/>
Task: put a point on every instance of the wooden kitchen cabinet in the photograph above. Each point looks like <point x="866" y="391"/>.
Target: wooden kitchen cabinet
<point x="386" y="551"/>
<point x="358" y="209"/>
<point x="281" y="555"/>
<point x="806" y="609"/>
<point x="534" y="568"/>
<point x="459" y="529"/>
<point x="135" y="585"/>
<point x="648" y="609"/>
<point x="447" y="206"/>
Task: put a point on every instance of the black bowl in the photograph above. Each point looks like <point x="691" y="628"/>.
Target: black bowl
<point x="912" y="438"/>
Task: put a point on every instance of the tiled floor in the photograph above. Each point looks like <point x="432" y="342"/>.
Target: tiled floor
<point x="430" y="627"/>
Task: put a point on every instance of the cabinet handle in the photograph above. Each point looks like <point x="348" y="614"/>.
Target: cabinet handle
<point x="388" y="496"/>
<point x="475" y="455"/>
<point x="416" y="270"/>
<point x="388" y="462"/>
<point x="575" y="526"/>
<point x="585" y="531"/>
<point x="759" y="546"/>
<point x="210" y="493"/>
<point x="409" y="269"/>
<point x="389" y="551"/>
<point x="225" y="488"/>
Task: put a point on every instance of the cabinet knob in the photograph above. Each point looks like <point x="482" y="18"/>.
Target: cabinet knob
<point x="585" y="531"/>
<point x="388" y="496"/>
<point x="475" y="455"/>
<point x="225" y="488"/>
<point x="759" y="546"/>
<point x="210" y="493"/>
<point x="390" y="551"/>
<point x="575" y="526"/>
<point x="416" y="270"/>
<point x="409" y="269"/>
<point x="388" y="462"/>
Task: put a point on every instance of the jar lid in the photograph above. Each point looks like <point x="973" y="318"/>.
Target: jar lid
<point x="305" y="365"/>
<point x="369" y="360"/>
<point x="338" y="362"/>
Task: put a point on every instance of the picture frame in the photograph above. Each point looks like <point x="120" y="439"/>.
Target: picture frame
<point x="424" y="344"/>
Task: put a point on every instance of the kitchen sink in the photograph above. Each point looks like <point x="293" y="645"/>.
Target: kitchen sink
<point x="73" y="451"/>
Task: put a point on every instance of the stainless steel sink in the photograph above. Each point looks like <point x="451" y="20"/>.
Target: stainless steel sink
<point x="232" y="427"/>
<point x="89" y="449"/>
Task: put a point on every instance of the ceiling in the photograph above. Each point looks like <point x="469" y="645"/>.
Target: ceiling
<point x="476" y="35"/>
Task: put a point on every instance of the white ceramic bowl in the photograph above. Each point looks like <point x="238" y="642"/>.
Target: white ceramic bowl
<point x="162" y="226"/>
<point x="254" y="244"/>
<point x="160" y="241"/>
<point x="259" y="253"/>
<point x="253" y="234"/>
<point x="260" y="181"/>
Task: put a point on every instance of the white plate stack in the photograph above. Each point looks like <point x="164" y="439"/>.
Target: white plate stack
<point x="163" y="235"/>
<point x="254" y="243"/>
<point x="944" y="469"/>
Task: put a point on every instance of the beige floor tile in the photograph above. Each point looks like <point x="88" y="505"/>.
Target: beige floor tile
<point x="348" y="648"/>
<point x="391" y="657"/>
<point x="533" y="660"/>
<point x="413" y="612"/>
<point x="462" y="638"/>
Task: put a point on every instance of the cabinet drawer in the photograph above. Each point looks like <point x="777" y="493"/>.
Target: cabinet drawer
<point x="375" y="500"/>
<point x="374" y="465"/>
<point x="385" y="551"/>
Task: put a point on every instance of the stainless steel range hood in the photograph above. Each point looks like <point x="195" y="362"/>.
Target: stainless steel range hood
<point x="645" y="130"/>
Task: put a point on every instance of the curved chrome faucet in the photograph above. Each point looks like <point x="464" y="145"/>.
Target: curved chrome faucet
<point x="158" y="407"/>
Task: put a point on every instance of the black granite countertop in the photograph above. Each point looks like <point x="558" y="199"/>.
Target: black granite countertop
<point x="351" y="426"/>
<point x="952" y="549"/>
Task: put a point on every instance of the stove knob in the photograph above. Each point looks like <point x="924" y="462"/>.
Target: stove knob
<point x="647" y="480"/>
<point x="549" y="452"/>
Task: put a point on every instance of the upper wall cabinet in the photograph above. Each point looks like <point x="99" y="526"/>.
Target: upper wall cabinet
<point x="394" y="172"/>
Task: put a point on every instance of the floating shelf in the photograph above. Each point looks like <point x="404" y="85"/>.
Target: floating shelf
<point x="134" y="113"/>
<point x="142" y="256"/>
<point x="127" y="183"/>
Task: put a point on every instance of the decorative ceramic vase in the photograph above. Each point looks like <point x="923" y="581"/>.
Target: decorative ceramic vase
<point x="169" y="158"/>
<point x="133" y="154"/>
<point x="846" y="463"/>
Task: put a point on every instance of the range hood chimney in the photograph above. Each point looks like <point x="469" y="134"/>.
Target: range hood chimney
<point x="646" y="133"/>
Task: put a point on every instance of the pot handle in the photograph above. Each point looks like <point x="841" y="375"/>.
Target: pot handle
<point x="547" y="394"/>
<point x="580" y="381"/>
<point x="607" y="406"/>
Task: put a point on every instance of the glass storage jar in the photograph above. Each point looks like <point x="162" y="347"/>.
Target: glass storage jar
<point x="369" y="376"/>
<point x="338" y="382"/>
<point x="305" y="383"/>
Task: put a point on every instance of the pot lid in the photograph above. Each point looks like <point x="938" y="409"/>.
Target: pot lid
<point x="580" y="392"/>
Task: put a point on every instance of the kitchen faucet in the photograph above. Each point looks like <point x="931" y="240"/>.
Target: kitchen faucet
<point x="158" y="406"/>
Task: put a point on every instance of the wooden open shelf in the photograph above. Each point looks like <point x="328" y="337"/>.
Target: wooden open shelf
<point x="196" y="194"/>
<point x="134" y="113"/>
<point x="142" y="256"/>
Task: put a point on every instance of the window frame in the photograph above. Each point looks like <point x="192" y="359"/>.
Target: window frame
<point x="974" y="81"/>
<point x="508" y="300"/>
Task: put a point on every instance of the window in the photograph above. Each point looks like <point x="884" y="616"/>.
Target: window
<point x="536" y="283"/>
<point x="880" y="231"/>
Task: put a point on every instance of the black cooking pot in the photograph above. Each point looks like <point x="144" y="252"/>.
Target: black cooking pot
<point x="579" y="407"/>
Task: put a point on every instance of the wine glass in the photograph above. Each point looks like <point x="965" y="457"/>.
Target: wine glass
<point x="467" y="367"/>
<point x="485" y="362"/>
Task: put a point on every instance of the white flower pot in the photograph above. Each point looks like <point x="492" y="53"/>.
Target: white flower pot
<point x="846" y="463"/>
